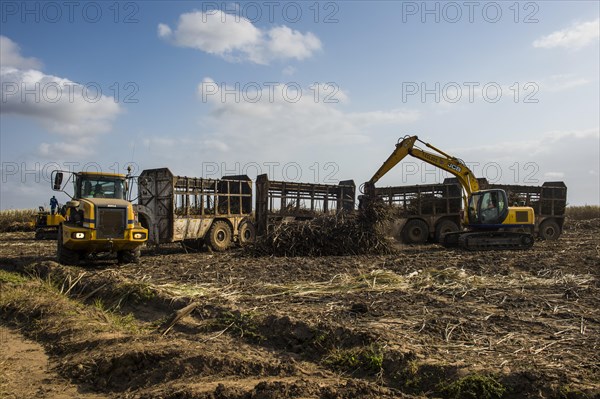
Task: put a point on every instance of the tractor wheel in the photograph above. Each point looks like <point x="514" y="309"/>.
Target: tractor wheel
<point x="444" y="227"/>
<point x="549" y="230"/>
<point x="219" y="236"/>
<point x="415" y="231"/>
<point x="65" y="256"/>
<point x="247" y="233"/>
<point x="128" y="256"/>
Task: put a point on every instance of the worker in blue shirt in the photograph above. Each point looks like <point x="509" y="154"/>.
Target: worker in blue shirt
<point x="53" y="204"/>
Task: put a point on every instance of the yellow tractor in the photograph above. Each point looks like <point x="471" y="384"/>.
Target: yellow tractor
<point x="46" y="224"/>
<point x="98" y="219"/>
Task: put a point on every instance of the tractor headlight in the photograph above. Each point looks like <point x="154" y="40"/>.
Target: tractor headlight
<point x="78" y="235"/>
<point x="139" y="236"/>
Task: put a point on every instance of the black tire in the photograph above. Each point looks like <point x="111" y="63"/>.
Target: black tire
<point x="128" y="256"/>
<point x="549" y="230"/>
<point x="415" y="231"/>
<point x="444" y="227"/>
<point x="246" y="233"/>
<point x="219" y="236"/>
<point x="65" y="256"/>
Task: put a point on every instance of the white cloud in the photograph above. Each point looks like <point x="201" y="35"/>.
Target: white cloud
<point x="558" y="83"/>
<point x="75" y="148"/>
<point x="159" y="142"/>
<point x="235" y="38"/>
<point x="575" y="37"/>
<point x="164" y="30"/>
<point x="395" y="116"/>
<point x="290" y="119"/>
<point x="545" y="142"/>
<point x="567" y="155"/>
<point x="60" y="105"/>
<point x="10" y="56"/>
<point x="554" y="175"/>
<point x="184" y="142"/>
<point x="287" y="43"/>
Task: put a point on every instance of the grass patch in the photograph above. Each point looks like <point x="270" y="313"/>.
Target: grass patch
<point x="567" y="392"/>
<point x="17" y="220"/>
<point x="242" y="324"/>
<point x="126" y="322"/>
<point x="43" y="306"/>
<point x="12" y="278"/>
<point x="474" y="386"/>
<point x="410" y="377"/>
<point x="135" y="293"/>
<point x="367" y="360"/>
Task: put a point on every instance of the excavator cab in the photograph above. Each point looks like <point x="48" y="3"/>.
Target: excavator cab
<point x="487" y="208"/>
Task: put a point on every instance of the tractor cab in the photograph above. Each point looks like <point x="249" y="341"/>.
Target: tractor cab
<point x="96" y="185"/>
<point x="487" y="207"/>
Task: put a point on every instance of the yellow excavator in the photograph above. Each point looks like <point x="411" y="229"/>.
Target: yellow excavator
<point x="488" y="222"/>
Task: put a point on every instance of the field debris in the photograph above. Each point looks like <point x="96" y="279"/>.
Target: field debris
<point x="335" y="234"/>
<point x="420" y="322"/>
<point x="176" y="317"/>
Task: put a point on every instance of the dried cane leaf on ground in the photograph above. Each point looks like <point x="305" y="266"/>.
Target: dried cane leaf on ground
<point x="330" y="234"/>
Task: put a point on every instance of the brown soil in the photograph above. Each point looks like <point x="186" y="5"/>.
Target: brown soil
<point x="411" y="323"/>
<point x="25" y="371"/>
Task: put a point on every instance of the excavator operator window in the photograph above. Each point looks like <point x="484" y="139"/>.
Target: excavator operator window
<point x="489" y="208"/>
<point x="493" y="207"/>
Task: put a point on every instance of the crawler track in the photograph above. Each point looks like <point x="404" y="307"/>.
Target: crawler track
<point x="489" y="241"/>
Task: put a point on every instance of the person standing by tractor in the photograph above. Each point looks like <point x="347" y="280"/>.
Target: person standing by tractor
<point x="53" y="204"/>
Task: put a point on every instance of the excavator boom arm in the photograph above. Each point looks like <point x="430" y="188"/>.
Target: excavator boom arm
<point x="443" y="161"/>
<point x="401" y="151"/>
<point x="452" y="165"/>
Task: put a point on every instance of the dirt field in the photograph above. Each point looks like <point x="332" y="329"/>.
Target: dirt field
<point x="424" y="322"/>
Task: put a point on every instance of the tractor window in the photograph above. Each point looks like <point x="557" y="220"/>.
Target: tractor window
<point x="100" y="187"/>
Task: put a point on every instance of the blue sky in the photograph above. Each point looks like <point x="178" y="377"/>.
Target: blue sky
<point x="304" y="91"/>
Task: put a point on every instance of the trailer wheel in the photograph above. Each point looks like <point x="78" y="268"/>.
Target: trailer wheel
<point x="415" y="231"/>
<point x="65" y="256"/>
<point x="219" y="236"/>
<point x="444" y="227"/>
<point x="549" y="230"/>
<point x="128" y="256"/>
<point x="247" y="233"/>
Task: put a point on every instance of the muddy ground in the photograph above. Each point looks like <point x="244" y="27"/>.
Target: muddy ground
<point x="423" y="322"/>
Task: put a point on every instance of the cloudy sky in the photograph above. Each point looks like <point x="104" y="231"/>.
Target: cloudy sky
<point x="303" y="91"/>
